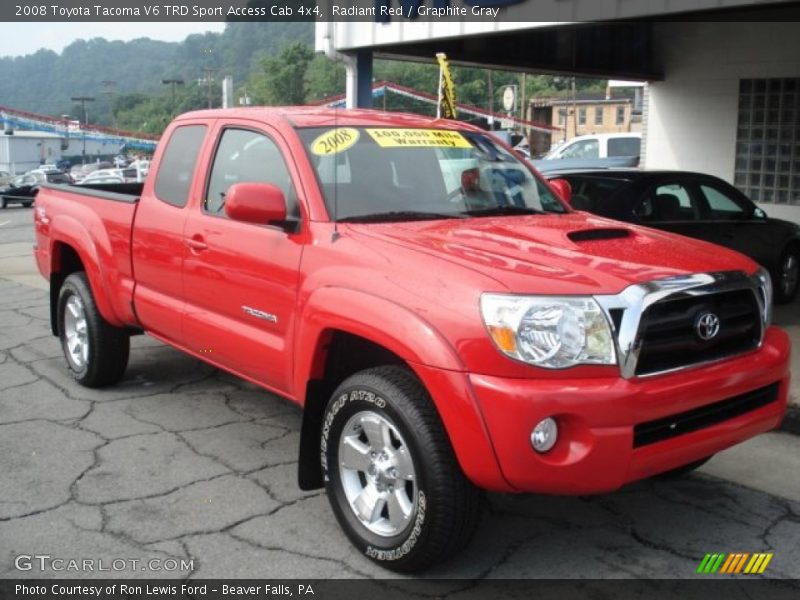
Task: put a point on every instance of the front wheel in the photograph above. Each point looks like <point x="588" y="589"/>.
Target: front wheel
<point x="392" y="479"/>
<point x="96" y="352"/>
<point x="787" y="281"/>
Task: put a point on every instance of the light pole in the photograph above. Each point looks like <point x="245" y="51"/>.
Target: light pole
<point x="173" y="83"/>
<point x="83" y="100"/>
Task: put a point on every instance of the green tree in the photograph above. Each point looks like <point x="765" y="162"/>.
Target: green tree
<point x="282" y="79"/>
<point x="324" y="77"/>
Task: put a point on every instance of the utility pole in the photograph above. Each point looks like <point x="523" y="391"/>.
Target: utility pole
<point x="491" y="98"/>
<point x="108" y="90"/>
<point x="173" y="83"/>
<point x="83" y="100"/>
<point x="574" y="110"/>
<point x="208" y="80"/>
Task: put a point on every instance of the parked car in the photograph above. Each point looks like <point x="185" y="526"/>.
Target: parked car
<point x="549" y="167"/>
<point x="698" y="206"/>
<point x="107" y="176"/>
<point x="598" y="146"/>
<point x="79" y="172"/>
<point x="142" y="167"/>
<point x="121" y="161"/>
<point x="102" y="176"/>
<point x="443" y="334"/>
<point x="5" y="178"/>
<point x="24" y="188"/>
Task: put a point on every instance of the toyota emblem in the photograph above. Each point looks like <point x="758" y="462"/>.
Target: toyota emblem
<point x="707" y="326"/>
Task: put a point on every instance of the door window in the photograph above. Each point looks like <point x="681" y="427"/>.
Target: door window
<point x="669" y="202"/>
<point x="582" y="149"/>
<point x="251" y="157"/>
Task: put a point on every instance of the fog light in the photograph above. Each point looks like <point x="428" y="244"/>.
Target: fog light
<point x="544" y="435"/>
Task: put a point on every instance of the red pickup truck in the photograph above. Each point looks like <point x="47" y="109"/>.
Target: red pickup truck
<point x="446" y="321"/>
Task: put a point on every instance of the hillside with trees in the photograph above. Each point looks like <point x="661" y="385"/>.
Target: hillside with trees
<point x="271" y="64"/>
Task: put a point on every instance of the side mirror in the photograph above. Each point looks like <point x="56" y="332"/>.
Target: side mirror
<point x="259" y="203"/>
<point x="563" y="189"/>
<point x="759" y="213"/>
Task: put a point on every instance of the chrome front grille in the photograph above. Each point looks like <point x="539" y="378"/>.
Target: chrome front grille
<point x="669" y="330"/>
<point x="656" y="323"/>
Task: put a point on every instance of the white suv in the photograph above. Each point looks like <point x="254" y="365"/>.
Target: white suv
<point x="598" y="145"/>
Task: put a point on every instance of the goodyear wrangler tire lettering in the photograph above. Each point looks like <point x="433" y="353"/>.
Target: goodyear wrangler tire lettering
<point x="401" y="511"/>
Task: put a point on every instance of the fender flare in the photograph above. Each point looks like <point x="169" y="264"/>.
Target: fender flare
<point x="427" y="353"/>
<point x="374" y="318"/>
<point x="70" y="232"/>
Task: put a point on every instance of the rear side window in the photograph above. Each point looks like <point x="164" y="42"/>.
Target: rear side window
<point x="177" y="164"/>
<point x="627" y="146"/>
<point x="721" y="205"/>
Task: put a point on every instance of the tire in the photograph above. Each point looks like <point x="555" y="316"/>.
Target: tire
<point x="422" y="507"/>
<point x="96" y="352"/>
<point x="786" y="281"/>
<point x="27" y="204"/>
<point x="684" y="470"/>
<point x="2" y="201"/>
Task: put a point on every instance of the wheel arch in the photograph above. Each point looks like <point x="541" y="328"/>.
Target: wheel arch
<point x="74" y="251"/>
<point x="372" y="331"/>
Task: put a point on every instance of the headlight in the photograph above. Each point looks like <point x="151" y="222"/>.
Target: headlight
<point x="765" y="283"/>
<point x="549" y="331"/>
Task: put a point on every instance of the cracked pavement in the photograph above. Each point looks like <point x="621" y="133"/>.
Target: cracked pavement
<point x="183" y="461"/>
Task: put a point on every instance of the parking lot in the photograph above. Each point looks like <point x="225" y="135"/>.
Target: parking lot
<point x="184" y="462"/>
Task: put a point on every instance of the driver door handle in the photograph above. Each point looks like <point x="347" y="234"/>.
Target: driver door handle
<point x="196" y="244"/>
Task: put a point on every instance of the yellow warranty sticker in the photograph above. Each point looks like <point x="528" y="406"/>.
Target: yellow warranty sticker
<point x="334" y="141"/>
<point x="406" y="138"/>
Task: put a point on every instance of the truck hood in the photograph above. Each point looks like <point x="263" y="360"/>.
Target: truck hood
<point x="575" y="253"/>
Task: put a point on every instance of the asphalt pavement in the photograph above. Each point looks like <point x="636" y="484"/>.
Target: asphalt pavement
<point x="184" y="471"/>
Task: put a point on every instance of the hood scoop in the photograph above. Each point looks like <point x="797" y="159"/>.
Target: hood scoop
<point x="590" y="235"/>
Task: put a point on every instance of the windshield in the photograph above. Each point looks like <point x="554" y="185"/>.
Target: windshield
<point x="409" y="174"/>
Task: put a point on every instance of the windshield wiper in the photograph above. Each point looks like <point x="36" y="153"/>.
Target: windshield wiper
<point x="398" y="215"/>
<point x="501" y="211"/>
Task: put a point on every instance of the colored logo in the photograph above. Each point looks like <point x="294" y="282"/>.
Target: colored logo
<point x="735" y="564"/>
<point x="707" y="326"/>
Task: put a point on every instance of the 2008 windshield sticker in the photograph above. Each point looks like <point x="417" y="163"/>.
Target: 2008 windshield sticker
<point x="406" y="138"/>
<point x="334" y="141"/>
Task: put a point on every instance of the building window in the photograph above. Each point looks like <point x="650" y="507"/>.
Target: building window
<point x="598" y="115"/>
<point x="620" y="115"/>
<point x="562" y="116"/>
<point x="581" y="116"/>
<point x="767" y="167"/>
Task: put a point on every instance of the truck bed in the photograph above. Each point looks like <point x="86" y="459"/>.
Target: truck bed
<point x="120" y="192"/>
<point x="63" y="216"/>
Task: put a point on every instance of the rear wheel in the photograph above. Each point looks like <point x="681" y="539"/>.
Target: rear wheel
<point x="788" y="276"/>
<point x="96" y="352"/>
<point x="2" y="201"/>
<point x="392" y="479"/>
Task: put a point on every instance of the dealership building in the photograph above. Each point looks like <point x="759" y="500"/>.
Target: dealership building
<point x="723" y="76"/>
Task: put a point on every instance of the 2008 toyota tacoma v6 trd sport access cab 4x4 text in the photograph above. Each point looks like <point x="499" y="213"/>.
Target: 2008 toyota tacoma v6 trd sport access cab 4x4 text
<point x="446" y="321"/>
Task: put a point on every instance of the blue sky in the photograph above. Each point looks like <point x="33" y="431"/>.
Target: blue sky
<point x="17" y="39"/>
